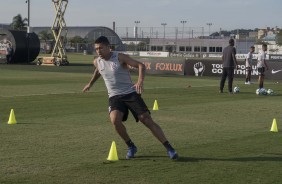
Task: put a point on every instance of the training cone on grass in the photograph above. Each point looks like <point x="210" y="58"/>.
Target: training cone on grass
<point x="113" y="153"/>
<point x="274" y="126"/>
<point x="156" y="107"/>
<point x="12" y="118"/>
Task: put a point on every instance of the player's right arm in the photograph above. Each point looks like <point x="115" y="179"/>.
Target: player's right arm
<point x="94" y="78"/>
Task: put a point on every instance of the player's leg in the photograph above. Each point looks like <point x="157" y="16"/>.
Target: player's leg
<point x="157" y="131"/>
<point x="222" y="81"/>
<point x="247" y="76"/>
<point x="261" y="77"/>
<point x="116" y="119"/>
<point x="140" y="111"/>
<point x="230" y="78"/>
<point x="250" y="74"/>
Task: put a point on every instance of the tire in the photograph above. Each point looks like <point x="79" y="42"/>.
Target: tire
<point x="38" y="63"/>
<point x="57" y="63"/>
<point x="67" y="63"/>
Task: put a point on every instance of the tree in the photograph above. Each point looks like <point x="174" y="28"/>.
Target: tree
<point x="130" y="47"/>
<point x="78" y="42"/>
<point x="77" y="39"/>
<point x="19" y="23"/>
<point x="47" y="38"/>
<point x="142" y="46"/>
<point x="279" y="38"/>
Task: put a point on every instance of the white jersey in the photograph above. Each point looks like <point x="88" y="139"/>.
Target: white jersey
<point x="249" y="59"/>
<point x="116" y="77"/>
<point x="261" y="58"/>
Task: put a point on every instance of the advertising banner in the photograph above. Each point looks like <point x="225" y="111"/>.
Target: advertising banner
<point x="214" y="68"/>
<point x="163" y="66"/>
<point x="275" y="71"/>
<point x="275" y="57"/>
<point x="154" y="54"/>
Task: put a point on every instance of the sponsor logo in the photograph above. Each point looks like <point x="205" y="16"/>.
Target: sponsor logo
<point x="169" y="67"/>
<point x="275" y="71"/>
<point x="199" y="69"/>
<point x="276" y="57"/>
<point x="114" y="66"/>
<point x="218" y="69"/>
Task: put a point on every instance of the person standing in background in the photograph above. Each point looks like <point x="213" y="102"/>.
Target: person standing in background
<point x="249" y="65"/>
<point x="229" y="64"/>
<point x="262" y="65"/>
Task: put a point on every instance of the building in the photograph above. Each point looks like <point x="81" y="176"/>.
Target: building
<point x="199" y="45"/>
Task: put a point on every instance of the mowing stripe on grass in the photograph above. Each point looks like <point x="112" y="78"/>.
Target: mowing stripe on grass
<point x="96" y="91"/>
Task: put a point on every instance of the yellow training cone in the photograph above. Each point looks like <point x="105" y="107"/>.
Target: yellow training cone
<point x="156" y="107"/>
<point x="113" y="153"/>
<point x="274" y="126"/>
<point x="12" y="118"/>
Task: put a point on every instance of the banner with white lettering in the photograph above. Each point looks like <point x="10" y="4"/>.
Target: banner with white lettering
<point x="275" y="58"/>
<point x="163" y="66"/>
<point x="214" y="68"/>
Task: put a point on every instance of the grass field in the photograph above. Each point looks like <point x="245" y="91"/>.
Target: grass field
<point x="64" y="136"/>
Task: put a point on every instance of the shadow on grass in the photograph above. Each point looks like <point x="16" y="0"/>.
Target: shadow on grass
<point x="236" y="159"/>
<point x="199" y="159"/>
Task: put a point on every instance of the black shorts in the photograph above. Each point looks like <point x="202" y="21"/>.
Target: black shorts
<point x="132" y="102"/>
<point x="261" y="71"/>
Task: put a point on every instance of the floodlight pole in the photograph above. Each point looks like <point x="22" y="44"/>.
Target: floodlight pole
<point x="164" y="24"/>
<point x="183" y="22"/>
<point x="28" y="15"/>
<point x="28" y="28"/>
<point x="209" y="24"/>
<point x="136" y="33"/>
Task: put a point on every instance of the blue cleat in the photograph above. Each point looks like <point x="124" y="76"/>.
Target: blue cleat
<point x="131" y="152"/>
<point x="172" y="154"/>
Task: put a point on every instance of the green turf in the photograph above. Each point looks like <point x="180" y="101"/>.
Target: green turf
<point x="64" y="136"/>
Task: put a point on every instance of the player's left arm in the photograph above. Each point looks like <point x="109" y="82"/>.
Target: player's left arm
<point x="125" y="59"/>
<point x="234" y="58"/>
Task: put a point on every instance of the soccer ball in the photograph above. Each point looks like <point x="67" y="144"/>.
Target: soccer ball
<point x="263" y="91"/>
<point x="236" y="89"/>
<point x="270" y="92"/>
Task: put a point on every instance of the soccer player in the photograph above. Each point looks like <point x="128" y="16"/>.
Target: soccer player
<point x="229" y="64"/>
<point x="124" y="95"/>
<point x="249" y="65"/>
<point x="262" y="65"/>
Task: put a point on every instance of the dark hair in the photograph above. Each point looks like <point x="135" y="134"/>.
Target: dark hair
<point x="102" y="39"/>
<point x="252" y="47"/>
<point x="231" y="41"/>
<point x="264" y="45"/>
